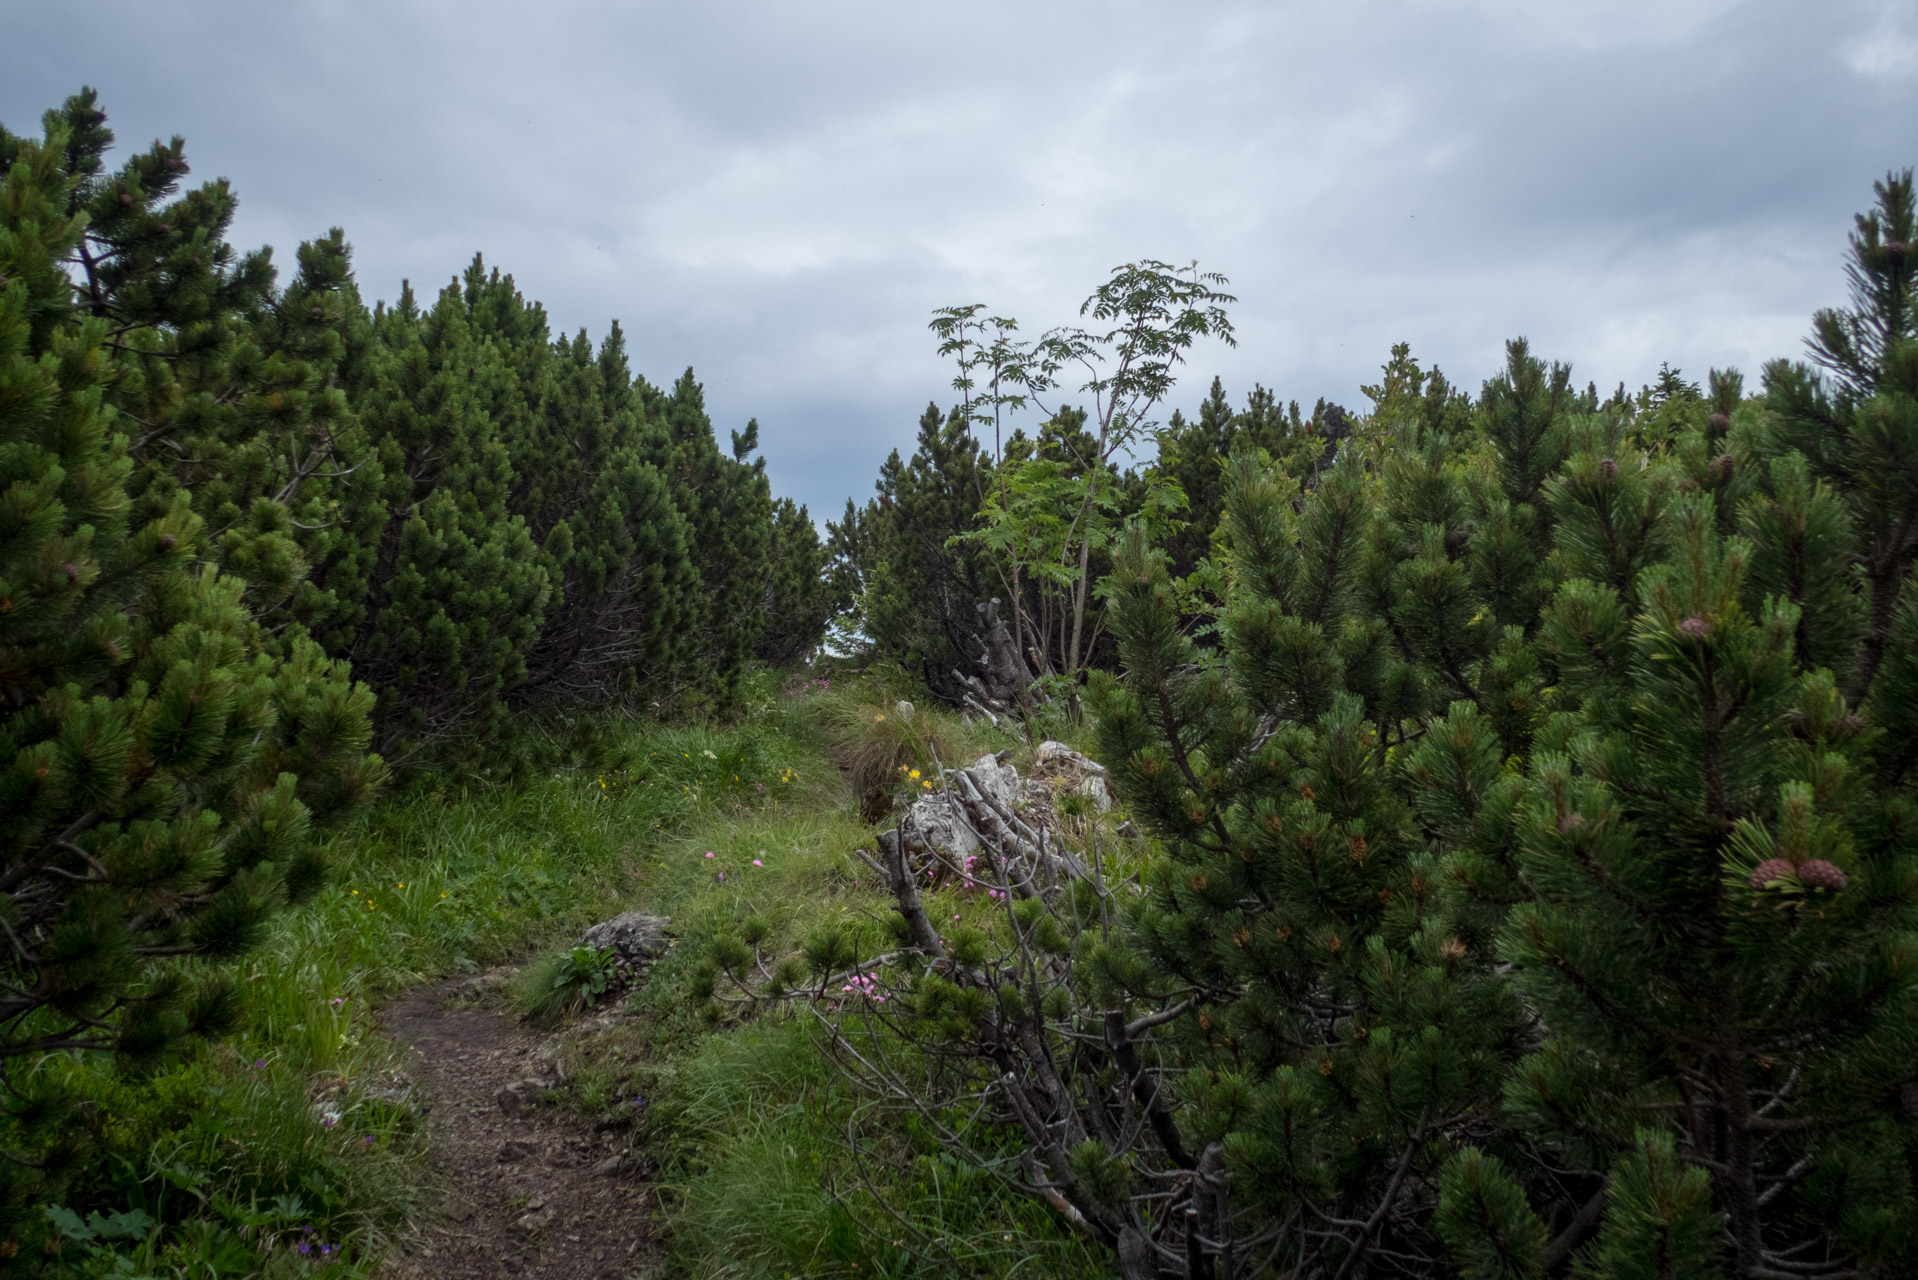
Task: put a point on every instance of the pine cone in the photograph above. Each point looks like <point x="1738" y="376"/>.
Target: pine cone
<point x="1770" y="870"/>
<point x="1696" y="628"/>
<point x="1722" y="467"/>
<point x="1608" y="468"/>
<point x="1816" y="873"/>
<point x="1896" y="251"/>
<point x="1721" y="422"/>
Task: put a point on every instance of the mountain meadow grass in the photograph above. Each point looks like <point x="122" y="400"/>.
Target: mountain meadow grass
<point x="293" y="1148"/>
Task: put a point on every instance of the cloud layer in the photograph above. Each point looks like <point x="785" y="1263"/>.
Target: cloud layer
<point x="780" y="194"/>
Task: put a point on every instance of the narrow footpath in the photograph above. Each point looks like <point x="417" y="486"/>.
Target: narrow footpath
<point x="527" y="1189"/>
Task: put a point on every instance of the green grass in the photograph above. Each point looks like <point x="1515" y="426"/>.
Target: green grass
<point x="746" y="1123"/>
<point x="749" y="1125"/>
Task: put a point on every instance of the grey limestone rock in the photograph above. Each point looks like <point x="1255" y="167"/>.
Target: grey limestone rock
<point x="639" y="938"/>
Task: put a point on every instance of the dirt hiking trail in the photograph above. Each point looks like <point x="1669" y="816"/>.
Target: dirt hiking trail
<point x="526" y="1190"/>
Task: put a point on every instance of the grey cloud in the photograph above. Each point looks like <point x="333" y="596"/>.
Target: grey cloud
<point x="779" y="194"/>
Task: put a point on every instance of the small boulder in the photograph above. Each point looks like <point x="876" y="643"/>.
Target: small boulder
<point x="517" y="1151"/>
<point x="1070" y="772"/>
<point x="638" y="938"/>
<point x="996" y="779"/>
<point x="1095" y="790"/>
<point x="1052" y="755"/>
<point x="520" y="1097"/>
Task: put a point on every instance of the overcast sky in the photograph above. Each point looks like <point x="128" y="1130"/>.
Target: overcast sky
<point x="779" y="194"/>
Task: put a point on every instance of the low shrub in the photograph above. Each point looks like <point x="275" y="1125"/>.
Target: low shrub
<point x="570" y="982"/>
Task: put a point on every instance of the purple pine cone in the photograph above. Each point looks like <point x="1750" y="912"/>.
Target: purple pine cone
<point x="1816" y="873"/>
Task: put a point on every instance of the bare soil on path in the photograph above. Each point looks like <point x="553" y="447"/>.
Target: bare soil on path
<point x="527" y="1190"/>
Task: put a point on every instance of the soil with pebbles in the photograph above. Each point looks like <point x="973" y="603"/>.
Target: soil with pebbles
<point x="526" y="1189"/>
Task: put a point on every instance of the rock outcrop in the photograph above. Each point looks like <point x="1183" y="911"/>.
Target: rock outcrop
<point x="989" y="827"/>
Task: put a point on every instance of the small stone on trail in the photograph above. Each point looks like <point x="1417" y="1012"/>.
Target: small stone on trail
<point x="517" y="1151"/>
<point x="638" y="938"/>
<point x="518" y="1098"/>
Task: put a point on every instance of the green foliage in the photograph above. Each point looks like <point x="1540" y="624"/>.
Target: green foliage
<point x="219" y="489"/>
<point x="165" y="765"/>
<point x="431" y="884"/>
<point x="570" y="982"/>
<point x="1055" y="507"/>
<point x="1532" y="851"/>
<point x="484" y="520"/>
<point x="1859" y="432"/>
<point x="803" y="596"/>
<point x="1485" y="1221"/>
<point x="1658" y="1218"/>
<point x="1193" y="455"/>
<point x="916" y="582"/>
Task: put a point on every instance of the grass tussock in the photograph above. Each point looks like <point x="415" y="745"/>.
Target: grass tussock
<point x="876" y="738"/>
<point x="573" y="981"/>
